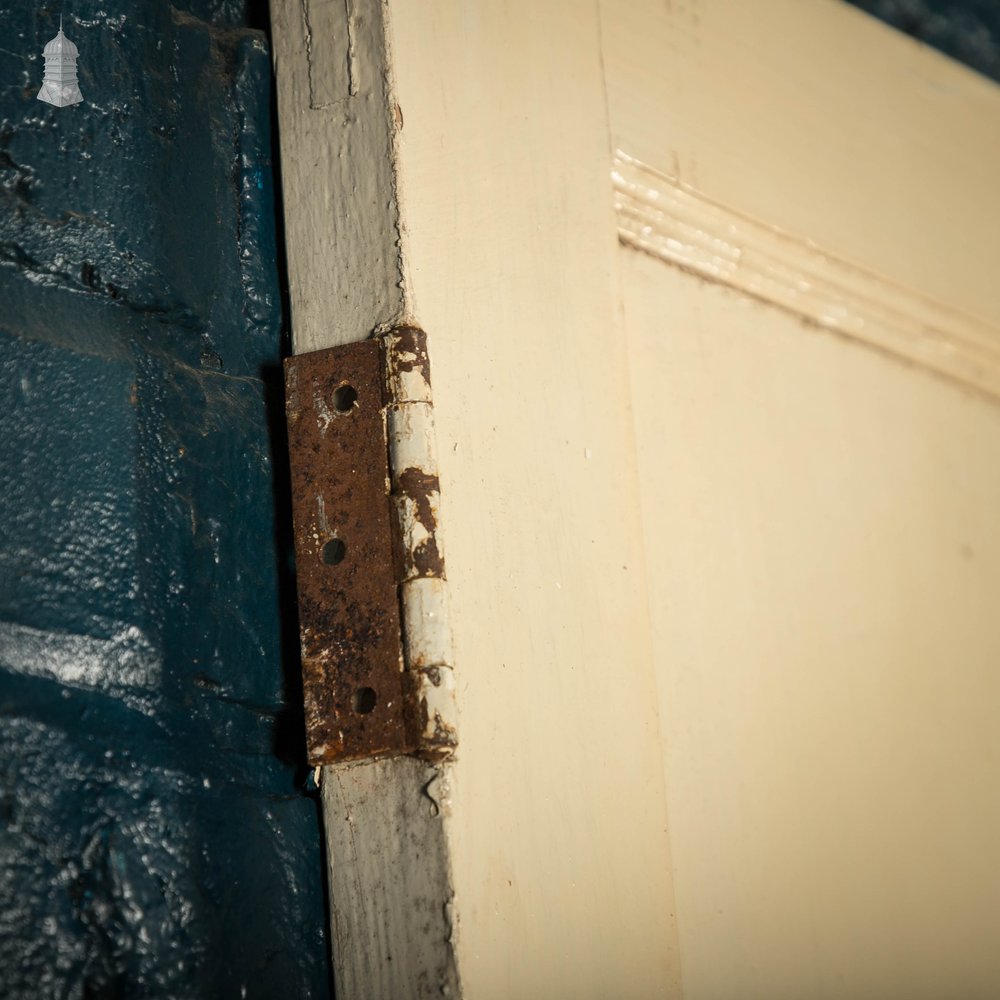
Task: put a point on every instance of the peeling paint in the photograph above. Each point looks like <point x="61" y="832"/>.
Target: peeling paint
<point x="416" y="499"/>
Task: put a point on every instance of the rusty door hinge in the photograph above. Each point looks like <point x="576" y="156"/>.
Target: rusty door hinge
<point x="364" y="504"/>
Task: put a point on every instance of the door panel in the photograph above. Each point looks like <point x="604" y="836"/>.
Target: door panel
<point x="821" y="526"/>
<point x="806" y="209"/>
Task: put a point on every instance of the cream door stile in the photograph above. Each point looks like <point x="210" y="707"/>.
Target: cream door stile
<point x="709" y="295"/>
<point x="558" y="830"/>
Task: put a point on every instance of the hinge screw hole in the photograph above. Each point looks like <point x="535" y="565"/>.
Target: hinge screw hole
<point x="335" y="551"/>
<point x="364" y="700"/>
<point x="344" y="398"/>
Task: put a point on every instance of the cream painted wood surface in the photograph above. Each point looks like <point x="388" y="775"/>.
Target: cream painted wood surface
<point x="813" y="117"/>
<point x="809" y="227"/>
<point x="718" y="484"/>
<point x="559" y="842"/>
<point x="671" y="221"/>
<point x="821" y="527"/>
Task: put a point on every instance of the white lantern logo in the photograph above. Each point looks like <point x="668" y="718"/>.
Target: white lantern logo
<point x="59" y="86"/>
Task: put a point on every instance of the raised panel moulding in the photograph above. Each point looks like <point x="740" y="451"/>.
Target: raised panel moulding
<point x="666" y="219"/>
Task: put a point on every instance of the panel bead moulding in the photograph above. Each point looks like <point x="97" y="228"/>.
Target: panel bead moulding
<point x="660" y="216"/>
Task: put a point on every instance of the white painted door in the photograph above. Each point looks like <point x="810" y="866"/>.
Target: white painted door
<point x="715" y="343"/>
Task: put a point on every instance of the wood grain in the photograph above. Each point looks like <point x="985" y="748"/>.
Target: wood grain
<point x="336" y="131"/>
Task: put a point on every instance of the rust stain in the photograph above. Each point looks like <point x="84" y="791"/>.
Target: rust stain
<point x="418" y="486"/>
<point x="434" y="739"/>
<point x="425" y="558"/>
<point x="410" y="350"/>
<point x="440" y="744"/>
